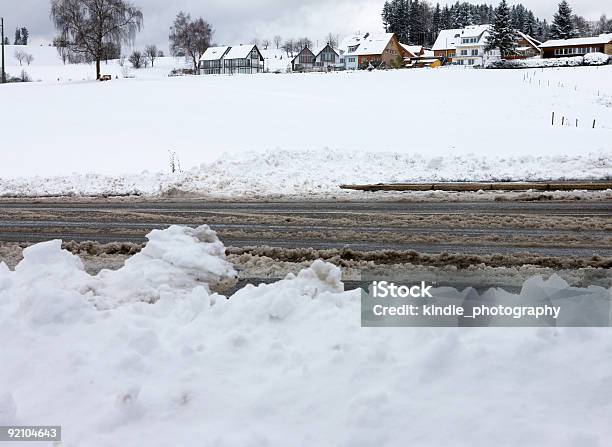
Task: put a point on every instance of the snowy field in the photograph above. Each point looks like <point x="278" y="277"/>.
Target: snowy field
<point x="148" y="355"/>
<point x="258" y="132"/>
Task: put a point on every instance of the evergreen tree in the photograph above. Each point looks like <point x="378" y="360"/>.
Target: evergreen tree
<point x="530" y="25"/>
<point x="386" y="16"/>
<point x="6" y="41"/>
<point x="502" y="35"/>
<point x="563" y="23"/>
<point x="436" y="20"/>
<point x="24" y="36"/>
<point x="446" y="20"/>
<point x="18" y="36"/>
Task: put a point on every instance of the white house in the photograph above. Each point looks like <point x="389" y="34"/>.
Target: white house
<point x="211" y="61"/>
<point x="470" y="50"/>
<point x="348" y="48"/>
<point x="232" y="60"/>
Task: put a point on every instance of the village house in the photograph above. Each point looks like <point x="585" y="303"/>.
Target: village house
<point x="376" y="50"/>
<point x="467" y="47"/>
<point x="577" y="47"/>
<point x="243" y="59"/>
<point x="323" y="59"/>
<point x="303" y="61"/>
<point x="211" y="61"/>
<point x="470" y="50"/>
<point x="445" y="44"/>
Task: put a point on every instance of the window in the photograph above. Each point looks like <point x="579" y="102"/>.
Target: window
<point x="351" y="59"/>
<point x="474" y="52"/>
<point x="464" y="52"/>
<point x="352" y="48"/>
<point x="470" y="61"/>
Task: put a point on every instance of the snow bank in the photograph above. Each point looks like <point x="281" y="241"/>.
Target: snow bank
<point x="592" y="59"/>
<point x="278" y="364"/>
<point x="320" y="172"/>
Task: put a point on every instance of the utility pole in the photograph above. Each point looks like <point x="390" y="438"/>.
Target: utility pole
<point x="3" y="74"/>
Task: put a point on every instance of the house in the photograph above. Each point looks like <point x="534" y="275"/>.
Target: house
<point x="211" y="61"/>
<point x="376" y="50"/>
<point x="323" y="59"/>
<point x="327" y="58"/>
<point x="243" y="59"/>
<point x="347" y="49"/>
<point x="577" y="47"/>
<point x="526" y="47"/>
<point x="466" y="46"/>
<point x="420" y="57"/>
<point x="303" y="61"/>
<point x="232" y="60"/>
<point x="446" y="43"/>
<point x="470" y="50"/>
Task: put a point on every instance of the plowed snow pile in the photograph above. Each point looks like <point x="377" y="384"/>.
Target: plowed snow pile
<point x="319" y="173"/>
<point x="149" y="356"/>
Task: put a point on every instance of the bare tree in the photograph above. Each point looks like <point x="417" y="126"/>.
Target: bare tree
<point x="289" y="46"/>
<point x="265" y="43"/>
<point x="151" y="53"/>
<point x="190" y="37"/>
<point x="29" y="58"/>
<point x="137" y="59"/>
<point x="332" y="40"/>
<point x="277" y="41"/>
<point x="87" y="26"/>
<point x="20" y="56"/>
<point x="255" y="41"/>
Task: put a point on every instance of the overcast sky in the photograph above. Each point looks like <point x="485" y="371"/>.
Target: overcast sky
<point x="239" y="21"/>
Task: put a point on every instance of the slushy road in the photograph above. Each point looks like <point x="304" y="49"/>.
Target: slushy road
<point x="550" y="228"/>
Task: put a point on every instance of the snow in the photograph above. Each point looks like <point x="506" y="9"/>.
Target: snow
<point x="282" y="364"/>
<point x="447" y="39"/>
<point x="373" y="44"/>
<point x="213" y="53"/>
<point x="116" y="136"/>
<point x="276" y="60"/>
<point x="601" y="39"/>
<point x="239" y="52"/>
<point x="591" y="59"/>
<point x="317" y="173"/>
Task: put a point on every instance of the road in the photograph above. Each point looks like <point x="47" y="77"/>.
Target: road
<point x="572" y="228"/>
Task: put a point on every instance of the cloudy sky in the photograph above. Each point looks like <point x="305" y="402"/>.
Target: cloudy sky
<point x="239" y="21"/>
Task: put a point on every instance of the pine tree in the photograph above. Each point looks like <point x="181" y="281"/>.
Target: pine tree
<point x="386" y="16"/>
<point x="24" y="36"/>
<point x="563" y="23"/>
<point x="502" y="35"/>
<point x="436" y="20"/>
<point x="18" y="36"/>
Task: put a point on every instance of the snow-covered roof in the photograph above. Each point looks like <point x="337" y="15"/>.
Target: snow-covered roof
<point x="317" y="51"/>
<point x="412" y="49"/>
<point x="374" y="44"/>
<point x="447" y="39"/>
<point x="533" y="42"/>
<point x="474" y="30"/>
<point x="601" y="39"/>
<point x="240" y="51"/>
<point x="213" y="53"/>
<point x="351" y="41"/>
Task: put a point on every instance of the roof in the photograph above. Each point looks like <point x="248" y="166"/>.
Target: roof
<point x="302" y="50"/>
<point x="533" y="42"/>
<point x="474" y="30"/>
<point x="351" y="41"/>
<point x="214" y="53"/>
<point x="447" y="39"/>
<point x="412" y="49"/>
<point x="601" y="39"/>
<point x="240" y="51"/>
<point x="319" y="50"/>
<point x="374" y="44"/>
